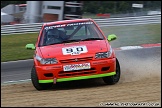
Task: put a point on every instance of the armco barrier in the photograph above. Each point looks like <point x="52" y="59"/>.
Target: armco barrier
<point x="35" y="27"/>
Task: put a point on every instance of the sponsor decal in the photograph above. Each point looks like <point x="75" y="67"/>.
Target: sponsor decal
<point x="64" y="25"/>
<point x="77" y="67"/>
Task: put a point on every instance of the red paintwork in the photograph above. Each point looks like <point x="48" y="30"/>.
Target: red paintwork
<point x="55" y="51"/>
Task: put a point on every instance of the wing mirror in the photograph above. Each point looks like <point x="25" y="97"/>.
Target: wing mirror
<point x="111" y="37"/>
<point x="30" y="46"/>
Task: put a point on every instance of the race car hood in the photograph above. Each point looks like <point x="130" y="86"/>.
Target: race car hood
<point x="68" y="50"/>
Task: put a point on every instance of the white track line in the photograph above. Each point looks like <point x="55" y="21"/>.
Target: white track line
<point x="7" y="82"/>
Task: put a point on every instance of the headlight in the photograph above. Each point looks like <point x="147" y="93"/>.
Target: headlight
<point x="104" y="54"/>
<point x="47" y="60"/>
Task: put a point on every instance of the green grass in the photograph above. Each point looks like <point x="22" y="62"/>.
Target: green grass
<point x="134" y="34"/>
<point x="13" y="46"/>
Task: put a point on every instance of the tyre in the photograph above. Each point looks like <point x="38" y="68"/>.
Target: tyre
<point x="36" y="84"/>
<point x="110" y="80"/>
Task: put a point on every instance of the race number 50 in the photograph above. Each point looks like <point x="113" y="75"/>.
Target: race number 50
<point x="74" y="50"/>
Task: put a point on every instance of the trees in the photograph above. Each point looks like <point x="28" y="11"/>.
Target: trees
<point x="105" y="6"/>
<point x="117" y="6"/>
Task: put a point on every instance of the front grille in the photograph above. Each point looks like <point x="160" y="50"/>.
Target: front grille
<point x="77" y="72"/>
<point x="76" y="60"/>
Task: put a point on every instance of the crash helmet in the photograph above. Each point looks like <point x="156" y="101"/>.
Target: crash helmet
<point x="53" y="33"/>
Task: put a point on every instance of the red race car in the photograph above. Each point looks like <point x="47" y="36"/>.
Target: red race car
<point x="73" y="50"/>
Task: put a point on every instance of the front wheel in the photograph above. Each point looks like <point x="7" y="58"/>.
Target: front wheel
<point x="110" y="80"/>
<point x="36" y="84"/>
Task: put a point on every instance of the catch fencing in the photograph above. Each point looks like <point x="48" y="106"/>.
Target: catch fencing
<point x="35" y="27"/>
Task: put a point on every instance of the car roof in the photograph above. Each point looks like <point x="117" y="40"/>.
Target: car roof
<point x="67" y="21"/>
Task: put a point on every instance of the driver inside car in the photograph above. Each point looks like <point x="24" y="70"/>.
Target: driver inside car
<point x="53" y="36"/>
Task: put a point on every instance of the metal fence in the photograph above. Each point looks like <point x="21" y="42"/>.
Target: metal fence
<point x="35" y="27"/>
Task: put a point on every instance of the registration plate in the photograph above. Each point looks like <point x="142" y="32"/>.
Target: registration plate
<point x="77" y="66"/>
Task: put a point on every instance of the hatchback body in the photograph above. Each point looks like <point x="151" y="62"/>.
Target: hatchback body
<point x="73" y="50"/>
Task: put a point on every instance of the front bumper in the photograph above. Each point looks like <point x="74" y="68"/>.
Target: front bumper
<point x="77" y="78"/>
<point x="55" y="73"/>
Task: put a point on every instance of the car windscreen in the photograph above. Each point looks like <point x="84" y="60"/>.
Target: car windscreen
<point x="71" y="32"/>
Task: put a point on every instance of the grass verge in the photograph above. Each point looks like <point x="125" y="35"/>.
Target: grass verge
<point x="13" y="46"/>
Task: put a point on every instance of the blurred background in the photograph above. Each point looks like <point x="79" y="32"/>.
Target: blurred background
<point x="134" y="22"/>
<point x="13" y="12"/>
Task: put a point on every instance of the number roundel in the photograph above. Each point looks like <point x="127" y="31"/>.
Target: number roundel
<point x="74" y="50"/>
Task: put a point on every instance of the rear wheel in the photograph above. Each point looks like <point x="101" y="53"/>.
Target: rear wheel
<point x="36" y="84"/>
<point x="110" y="80"/>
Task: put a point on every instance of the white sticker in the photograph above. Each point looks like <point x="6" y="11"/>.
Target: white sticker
<point x="77" y="66"/>
<point x="75" y="50"/>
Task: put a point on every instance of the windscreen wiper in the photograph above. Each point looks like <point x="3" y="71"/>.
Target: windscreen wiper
<point x="73" y="40"/>
<point x="92" y="39"/>
<point x="53" y="43"/>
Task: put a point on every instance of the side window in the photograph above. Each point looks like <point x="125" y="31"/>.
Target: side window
<point x="95" y="33"/>
<point x="83" y="31"/>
